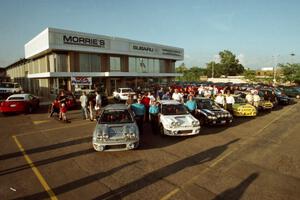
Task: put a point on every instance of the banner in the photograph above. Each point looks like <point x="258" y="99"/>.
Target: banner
<point x="79" y="80"/>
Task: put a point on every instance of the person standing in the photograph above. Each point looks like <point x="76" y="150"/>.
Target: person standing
<point x="229" y="102"/>
<point x="153" y="111"/>
<point x="146" y="101"/>
<point x="83" y="102"/>
<point x="256" y="100"/>
<point x="62" y="101"/>
<point x="191" y="104"/>
<point x="98" y="103"/>
<point x="177" y="96"/>
<point x="139" y="110"/>
<point x="220" y="100"/>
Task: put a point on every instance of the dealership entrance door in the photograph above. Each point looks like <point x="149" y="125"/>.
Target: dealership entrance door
<point x="115" y="83"/>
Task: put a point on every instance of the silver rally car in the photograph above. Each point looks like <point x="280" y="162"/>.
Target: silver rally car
<point x="116" y="129"/>
<point x="175" y="119"/>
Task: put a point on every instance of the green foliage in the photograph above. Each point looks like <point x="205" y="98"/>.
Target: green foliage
<point x="228" y="66"/>
<point x="250" y="75"/>
<point x="291" y="72"/>
<point x="190" y="74"/>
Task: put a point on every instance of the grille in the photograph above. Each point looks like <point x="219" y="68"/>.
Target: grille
<point x="117" y="146"/>
<point x="185" y="131"/>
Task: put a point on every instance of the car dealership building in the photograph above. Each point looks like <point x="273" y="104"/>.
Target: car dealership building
<point x="61" y="59"/>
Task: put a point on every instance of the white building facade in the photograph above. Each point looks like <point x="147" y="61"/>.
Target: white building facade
<point x="56" y="58"/>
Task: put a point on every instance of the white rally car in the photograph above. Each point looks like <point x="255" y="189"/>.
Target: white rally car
<point x="122" y="94"/>
<point x="175" y="119"/>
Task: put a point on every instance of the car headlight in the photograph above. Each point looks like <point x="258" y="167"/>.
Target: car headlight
<point x="195" y="123"/>
<point x="218" y="116"/>
<point x="173" y="123"/>
<point x="177" y="123"/>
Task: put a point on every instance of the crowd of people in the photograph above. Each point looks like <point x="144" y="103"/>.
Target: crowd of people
<point x="146" y="105"/>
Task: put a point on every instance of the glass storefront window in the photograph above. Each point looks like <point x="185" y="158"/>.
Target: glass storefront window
<point x="144" y="65"/>
<point x="89" y="62"/>
<point x="115" y="64"/>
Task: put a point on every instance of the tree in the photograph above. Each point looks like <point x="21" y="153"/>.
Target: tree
<point x="192" y="74"/>
<point x="291" y="72"/>
<point x="228" y="66"/>
<point x="249" y="74"/>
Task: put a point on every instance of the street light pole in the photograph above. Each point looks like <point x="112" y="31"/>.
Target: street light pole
<point x="275" y="68"/>
<point x="213" y="68"/>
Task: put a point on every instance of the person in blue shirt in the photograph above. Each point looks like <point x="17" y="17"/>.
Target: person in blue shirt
<point x="139" y="110"/>
<point x="153" y="111"/>
<point x="191" y="104"/>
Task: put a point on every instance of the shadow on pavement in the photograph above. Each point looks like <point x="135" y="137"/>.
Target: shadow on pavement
<point x="237" y="192"/>
<point x="47" y="148"/>
<point x="77" y="183"/>
<point x="151" y="178"/>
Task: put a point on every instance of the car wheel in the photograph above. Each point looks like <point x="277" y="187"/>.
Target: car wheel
<point x="161" y="129"/>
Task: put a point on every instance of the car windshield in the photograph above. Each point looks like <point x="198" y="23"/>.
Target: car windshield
<point x="277" y="91"/>
<point x="174" y="109"/>
<point x="239" y="100"/>
<point x="115" y="117"/>
<point x="207" y="104"/>
<point x="7" y="85"/>
<point x="127" y="90"/>
<point x="15" y="98"/>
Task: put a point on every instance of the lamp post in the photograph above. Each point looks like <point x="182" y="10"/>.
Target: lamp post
<point x="275" y="68"/>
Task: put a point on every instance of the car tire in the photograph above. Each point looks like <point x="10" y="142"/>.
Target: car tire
<point x="161" y="129"/>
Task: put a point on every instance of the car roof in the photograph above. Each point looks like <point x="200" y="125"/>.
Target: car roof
<point x="165" y="102"/>
<point x="19" y="95"/>
<point x="201" y="98"/>
<point x="116" y="107"/>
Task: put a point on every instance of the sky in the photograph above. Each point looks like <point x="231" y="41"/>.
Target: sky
<point x="260" y="33"/>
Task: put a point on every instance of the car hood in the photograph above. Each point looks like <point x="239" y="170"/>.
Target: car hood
<point x="116" y="131"/>
<point x="183" y="120"/>
<point x="214" y="112"/>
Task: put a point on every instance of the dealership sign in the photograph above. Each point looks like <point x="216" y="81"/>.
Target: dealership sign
<point x="79" y="80"/>
<point x="85" y="41"/>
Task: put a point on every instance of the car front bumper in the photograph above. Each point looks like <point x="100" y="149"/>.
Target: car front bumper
<point x="115" y="146"/>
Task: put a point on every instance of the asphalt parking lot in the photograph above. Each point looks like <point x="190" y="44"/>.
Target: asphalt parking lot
<point x="254" y="158"/>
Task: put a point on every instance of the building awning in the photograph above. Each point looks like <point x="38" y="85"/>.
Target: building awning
<point x="101" y="74"/>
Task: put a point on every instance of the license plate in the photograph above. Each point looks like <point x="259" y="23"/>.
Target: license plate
<point x="13" y="105"/>
<point x="223" y="121"/>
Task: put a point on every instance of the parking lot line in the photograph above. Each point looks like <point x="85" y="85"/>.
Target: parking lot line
<point x="54" y="129"/>
<point x="173" y="192"/>
<point x="35" y="170"/>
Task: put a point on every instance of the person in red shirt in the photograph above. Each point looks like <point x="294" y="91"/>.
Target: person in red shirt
<point x="63" y="111"/>
<point x="146" y="101"/>
<point x="54" y="107"/>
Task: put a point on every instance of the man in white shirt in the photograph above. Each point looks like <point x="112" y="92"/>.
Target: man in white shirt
<point x="220" y="100"/>
<point x="98" y="103"/>
<point x="256" y="100"/>
<point x="177" y="96"/>
<point x="83" y="102"/>
<point x="249" y="98"/>
<point x="229" y="102"/>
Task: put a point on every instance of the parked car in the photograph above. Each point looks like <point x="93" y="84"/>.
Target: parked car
<point x="10" y="88"/>
<point x="116" y="129"/>
<point x="71" y="100"/>
<point x="241" y="108"/>
<point x="175" y="119"/>
<point x="280" y="97"/>
<point x="19" y="103"/>
<point x="208" y="112"/>
<point x="122" y="94"/>
<point x="291" y="92"/>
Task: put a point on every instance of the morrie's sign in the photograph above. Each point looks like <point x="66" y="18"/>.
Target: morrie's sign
<point x="85" y="41"/>
<point x="79" y="80"/>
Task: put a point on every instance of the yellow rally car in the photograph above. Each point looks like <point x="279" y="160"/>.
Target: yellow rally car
<point x="241" y="108"/>
<point x="265" y="105"/>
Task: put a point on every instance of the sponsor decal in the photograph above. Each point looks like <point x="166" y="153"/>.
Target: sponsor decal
<point x="79" y="80"/>
<point x="85" y="41"/>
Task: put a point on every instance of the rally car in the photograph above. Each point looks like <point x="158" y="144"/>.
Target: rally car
<point x="241" y="108"/>
<point x="116" y="129"/>
<point x="175" y="119"/>
<point x="208" y="112"/>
